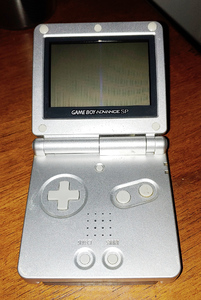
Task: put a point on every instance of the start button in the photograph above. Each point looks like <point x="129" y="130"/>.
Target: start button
<point x="112" y="258"/>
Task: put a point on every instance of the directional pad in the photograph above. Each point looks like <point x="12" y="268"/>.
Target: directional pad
<point x="63" y="195"/>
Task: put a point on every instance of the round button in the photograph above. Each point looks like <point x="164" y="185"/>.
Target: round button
<point x="84" y="258"/>
<point x="123" y="197"/>
<point x="146" y="190"/>
<point x="112" y="258"/>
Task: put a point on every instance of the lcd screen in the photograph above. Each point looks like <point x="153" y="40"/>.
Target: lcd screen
<point x="109" y="74"/>
<point x="113" y="77"/>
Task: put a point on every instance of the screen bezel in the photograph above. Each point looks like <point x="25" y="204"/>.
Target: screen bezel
<point x="131" y="111"/>
<point x="61" y="127"/>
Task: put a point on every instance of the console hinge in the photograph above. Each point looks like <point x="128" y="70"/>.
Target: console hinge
<point x="103" y="145"/>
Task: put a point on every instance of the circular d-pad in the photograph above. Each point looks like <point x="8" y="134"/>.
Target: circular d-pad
<point x="63" y="195"/>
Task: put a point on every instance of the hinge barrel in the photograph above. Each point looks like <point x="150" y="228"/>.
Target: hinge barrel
<point x="66" y="146"/>
<point x="135" y="145"/>
<point x="104" y="145"/>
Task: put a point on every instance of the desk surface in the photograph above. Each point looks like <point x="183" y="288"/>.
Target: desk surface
<point x="16" y="153"/>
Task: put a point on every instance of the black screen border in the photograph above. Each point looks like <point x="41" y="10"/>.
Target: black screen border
<point x="136" y="111"/>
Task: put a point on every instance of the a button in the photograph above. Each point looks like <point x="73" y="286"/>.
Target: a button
<point x="63" y="195"/>
<point x="146" y="190"/>
<point x="112" y="258"/>
<point x="123" y="197"/>
<point x="84" y="258"/>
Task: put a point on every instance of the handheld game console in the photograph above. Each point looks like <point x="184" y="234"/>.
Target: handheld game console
<point x="100" y="207"/>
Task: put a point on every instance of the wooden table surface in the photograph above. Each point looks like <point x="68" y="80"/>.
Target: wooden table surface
<point x="16" y="153"/>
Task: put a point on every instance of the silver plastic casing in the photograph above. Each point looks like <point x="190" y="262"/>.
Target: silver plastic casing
<point x="107" y="126"/>
<point x="100" y="207"/>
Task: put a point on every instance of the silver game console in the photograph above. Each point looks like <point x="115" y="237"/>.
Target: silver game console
<point x="100" y="207"/>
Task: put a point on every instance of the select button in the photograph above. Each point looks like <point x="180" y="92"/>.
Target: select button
<point x="84" y="258"/>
